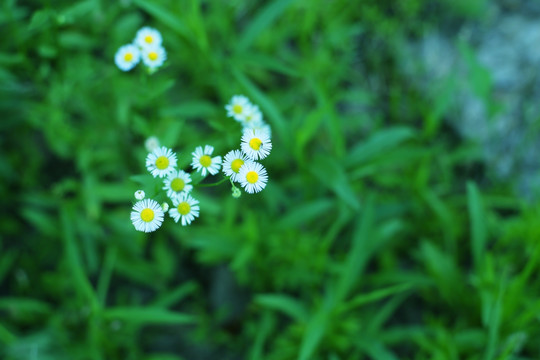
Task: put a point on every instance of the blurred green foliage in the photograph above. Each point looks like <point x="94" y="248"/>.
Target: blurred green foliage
<point x="380" y="234"/>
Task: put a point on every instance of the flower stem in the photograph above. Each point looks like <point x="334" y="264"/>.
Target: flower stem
<point x="214" y="184"/>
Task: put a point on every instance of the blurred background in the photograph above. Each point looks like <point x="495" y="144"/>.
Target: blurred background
<point x="401" y="216"/>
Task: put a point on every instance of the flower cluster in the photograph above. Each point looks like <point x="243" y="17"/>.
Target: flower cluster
<point x="146" y="46"/>
<point x="240" y="166"/>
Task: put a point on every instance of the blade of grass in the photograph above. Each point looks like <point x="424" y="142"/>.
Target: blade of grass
<point x="106" y="274"/>
<point x="283" y="303"/>
<point x="478" y="226"/>
<point x="6" y="336"/>
<point x="304" y="213"/>
<point x="25" y="305"/>
<point x="147" y="315"/>
<point x="263" y="330"/>
<point x="80" y="280"/>
<point x="359" y="254"/>
<point x="315" y="330"/>
<point x="165" y="16"/>
<point x="375" y="295"/>
<point x="176" y="295"/>
<point x="260" y="22"/>
<point x="332" y="175"/>
<point x="378" y="144"/>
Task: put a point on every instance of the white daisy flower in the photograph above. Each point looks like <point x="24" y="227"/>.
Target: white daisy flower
<point x="232" y="163"/>
<point x="147" y="215"/>
<point x="185" y="208"/>
<point x="253" y="177"/>
<point x="203" y="162"/>
<point x="237" y="107"/>
<point x="151" y="143"/>
<point x="252" y="115"/>
<point x="139" y="194"/>
<point x="161" y="162"/>
<point x="256" y="143"/>
<point x="148" y="36"/>
<point x="127" y="56"/>
<point x="176" y="183"/>
<point x="153" y="56"/>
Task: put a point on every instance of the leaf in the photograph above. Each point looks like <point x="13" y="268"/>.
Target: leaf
<point x="283" y="303"/>
<point x="378" y="144"/>
<point x="264" y="329"/>
<point x="478" y="226"/>
<point x="268" y="62"/>
<point x="176" y="295"/>
<point x="25" y="305"/>
<point x="315" y="330"/>
<point x="306" y="212"/>
<point x="147" y="315"/>
<point x="165" y="16"/>
<point x="361" y="249"/>
<point x="332" y="175"/>
<point x="6" y="336"/>
<point x="260" y="22"/>
<point x="72" y="254"/>
<point x="189" y="109"/>
<point x="375" y="349"/>
<point x="113" y="192"/>
<point x="375" y="295"/>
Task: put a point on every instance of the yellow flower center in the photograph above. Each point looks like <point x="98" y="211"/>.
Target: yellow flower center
<point x="162" y="163"/>
<point x="252" y="177"/>
<point x="153" y="56"/>
<point x="177" y="184"/>
<point x="205" y="161"/>
<point x="128" y="57"/>
<point x="236" y="165"/>
<point x="237" y="109"/>
<point x="255" y="143"/>
<point x="184" y="208"/>
<point x="147" y="215"/>
<point x="148" y="39"/>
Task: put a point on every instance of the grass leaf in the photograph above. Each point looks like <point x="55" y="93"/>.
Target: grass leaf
<point x="378" y="144"/>
<point x="147" y="315"/>
<point x="283" y="303"/>
<point x="478" y="226"/>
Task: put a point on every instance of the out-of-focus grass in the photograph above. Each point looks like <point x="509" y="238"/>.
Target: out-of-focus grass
<point x="377" y="237"/>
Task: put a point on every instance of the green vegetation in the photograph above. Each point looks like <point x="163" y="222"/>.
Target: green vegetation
<point x="380" y="234"/>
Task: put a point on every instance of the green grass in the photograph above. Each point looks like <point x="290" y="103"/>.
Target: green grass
<point x="378" y="235"/>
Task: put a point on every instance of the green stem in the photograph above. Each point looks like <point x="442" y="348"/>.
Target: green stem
<point x="214" y="184"/>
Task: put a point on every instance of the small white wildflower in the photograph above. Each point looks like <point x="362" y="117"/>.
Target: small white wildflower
<point x="151" y="143"/>
<point x="148" y="36"/>
<point x="253" y="177"/>
<point x="147" y="215"/>
<point x="256" y="143"/>
<point x="203" y="162"/>
<point x="154" y="56"/>
<point x="252" y="116"/>
<point x="232" y="163"/>
<point x="127" y="57"/>
<point x="161" y="162"/>
<point x="237" y="107"/>
<point x="185" y="208"/>
<point x="176" y="183"/>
